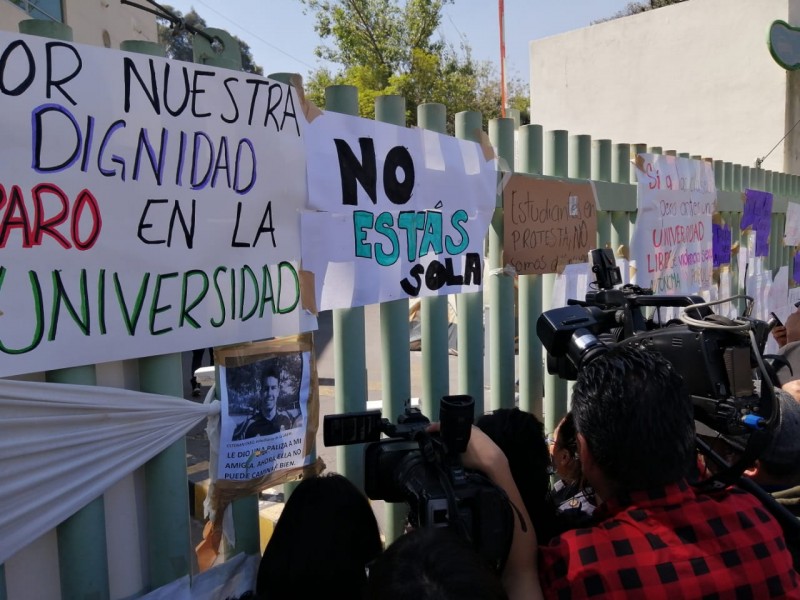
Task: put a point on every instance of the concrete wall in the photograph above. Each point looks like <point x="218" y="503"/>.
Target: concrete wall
<point x="96" y="22"/>
<point x="694" y="77"/>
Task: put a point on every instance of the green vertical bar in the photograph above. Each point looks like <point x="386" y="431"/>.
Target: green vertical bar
<point x="501" y="285"/>
<point x="736" y="184"/>
<point x="531" y="358"/>
<point x="82" y="556"/>
<point x="746" y="178"/>
<point x="601" y="171"/>
<point x="580" y="156"/>
<point x="49" y="29"/>
<point x="620" y="173"/>
<point x="655" y="150"/>
<point x="555" y="389"/>
<point x="142" y="47"/>
<point x="601" y="160"/>
<point x="434" y="313"/>
<point x="636" y="149"/>
<point x="728" y="175"/>
<point x="167" y="495"/>
<point x="470" y="306"/>
<point x="531" y="149"/>
<point x="395" y="358"/>
<point x="350" y="361"/>
<point x="719" y="174"/>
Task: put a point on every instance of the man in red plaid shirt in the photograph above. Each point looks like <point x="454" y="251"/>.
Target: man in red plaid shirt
<point x="656" y="536"/>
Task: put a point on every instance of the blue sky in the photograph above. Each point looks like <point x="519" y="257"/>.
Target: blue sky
<point x="282" y="37"/>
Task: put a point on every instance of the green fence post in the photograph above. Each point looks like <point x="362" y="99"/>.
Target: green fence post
<point x="746" y="178"/>
<point x="531" y="359"/>
<point x="501" y="284"/>
<point x="225" y="53"/>
<point x="601" y="171"/>
<point x="555" y="389"/>
<point x="736" y="184"/>
<point x="620" y="173"/>
<point x="434" y="310"/>
<point x="395" y="358"/>
<point x="82" y="560"/>
<point x="82" y="555"/>
<point x="471" y="340"/>
<point x="719" y="174"/>
<point x="580" y="156"/>
<point x="350" y="361"/>
<point x="167" y="492"/>
<point x="655" y="150"/>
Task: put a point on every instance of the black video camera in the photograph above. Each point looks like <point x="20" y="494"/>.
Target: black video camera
<point x="425" y="470"/>
<point x="715" y="355"/>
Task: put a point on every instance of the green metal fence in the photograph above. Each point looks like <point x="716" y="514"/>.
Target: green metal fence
<point x="515" y="353"/>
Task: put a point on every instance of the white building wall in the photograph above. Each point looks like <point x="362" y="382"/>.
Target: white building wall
<point x="693" y="77"/>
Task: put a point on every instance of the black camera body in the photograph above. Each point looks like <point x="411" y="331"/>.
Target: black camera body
<point x="716" y="362"/>
<point x="425" y="470"/>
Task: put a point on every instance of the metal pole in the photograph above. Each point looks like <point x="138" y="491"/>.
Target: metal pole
<point x="434" y="313"/>
<point x="531" y="359"/>
<point x="501" y="284"/>
<point x="396" y="362"/>
<point x="470" y="306"/>
<point x="350" y="361"/>
<point x="555" y="389"/>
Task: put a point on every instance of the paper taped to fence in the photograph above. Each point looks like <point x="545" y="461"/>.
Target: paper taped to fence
<point x="146" y="206"/>
<point x="62" y="446"/>
<point x="672" y="241"/>
<point x="395" y="212"/>
<point x="547" y="223"/>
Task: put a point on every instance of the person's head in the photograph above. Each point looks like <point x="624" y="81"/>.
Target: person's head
<point x="324" y="539"/>
<point x="520" y="435"/>
<point x="565" y="450"/>
<point x="634" y="420"/>
<point x="432" y="564"/>
<point x="271" y="391"/>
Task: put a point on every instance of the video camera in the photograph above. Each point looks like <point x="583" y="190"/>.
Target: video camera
<point x="425" y="470"/>
<point x="715" y="355"/>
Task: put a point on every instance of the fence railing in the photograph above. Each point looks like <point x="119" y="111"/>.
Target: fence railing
<point x="515" y="353"/>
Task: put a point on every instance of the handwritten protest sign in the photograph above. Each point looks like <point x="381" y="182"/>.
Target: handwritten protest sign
<point x="791" y="235"/>
<point x="146" y="206"/>
<point x="721" y="243"/>
<point x="547" y="223"/>
<point x="672" y="241"/>
<point x="399" y="212"/>
<point x="757" y="215"/>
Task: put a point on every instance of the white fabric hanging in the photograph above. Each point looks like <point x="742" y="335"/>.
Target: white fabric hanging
<point x="62" y="446"/>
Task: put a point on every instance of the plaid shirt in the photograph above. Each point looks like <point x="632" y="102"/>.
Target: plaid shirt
<point x="673" y="543"/>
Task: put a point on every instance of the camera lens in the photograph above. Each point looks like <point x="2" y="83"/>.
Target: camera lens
<point x="456" y="414"/>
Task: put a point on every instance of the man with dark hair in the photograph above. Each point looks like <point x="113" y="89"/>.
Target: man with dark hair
<point x="267" y="420"/>
<point x="655" y="534"/>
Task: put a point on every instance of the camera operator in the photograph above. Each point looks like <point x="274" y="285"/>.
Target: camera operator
<point x="788" y="332"/>
<point x="789" y="374"/>
<point x="656" y="534"/>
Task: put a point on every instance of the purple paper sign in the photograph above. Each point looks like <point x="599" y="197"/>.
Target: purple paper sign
<point x="721" y="244"/>
<point x="796" y="272"/>
<point x="758" y="214"/>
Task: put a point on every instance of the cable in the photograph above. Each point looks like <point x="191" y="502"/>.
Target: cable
<point x="760" y="161"/>
<point x="178" y="23"/>
<point x="256" y="36"/>
<point x="736" y="325"/>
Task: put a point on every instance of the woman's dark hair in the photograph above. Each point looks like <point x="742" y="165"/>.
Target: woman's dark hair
<point x="324" y="538"/>
<point x="432" y="564"/>
<point x="520" y="435"/>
